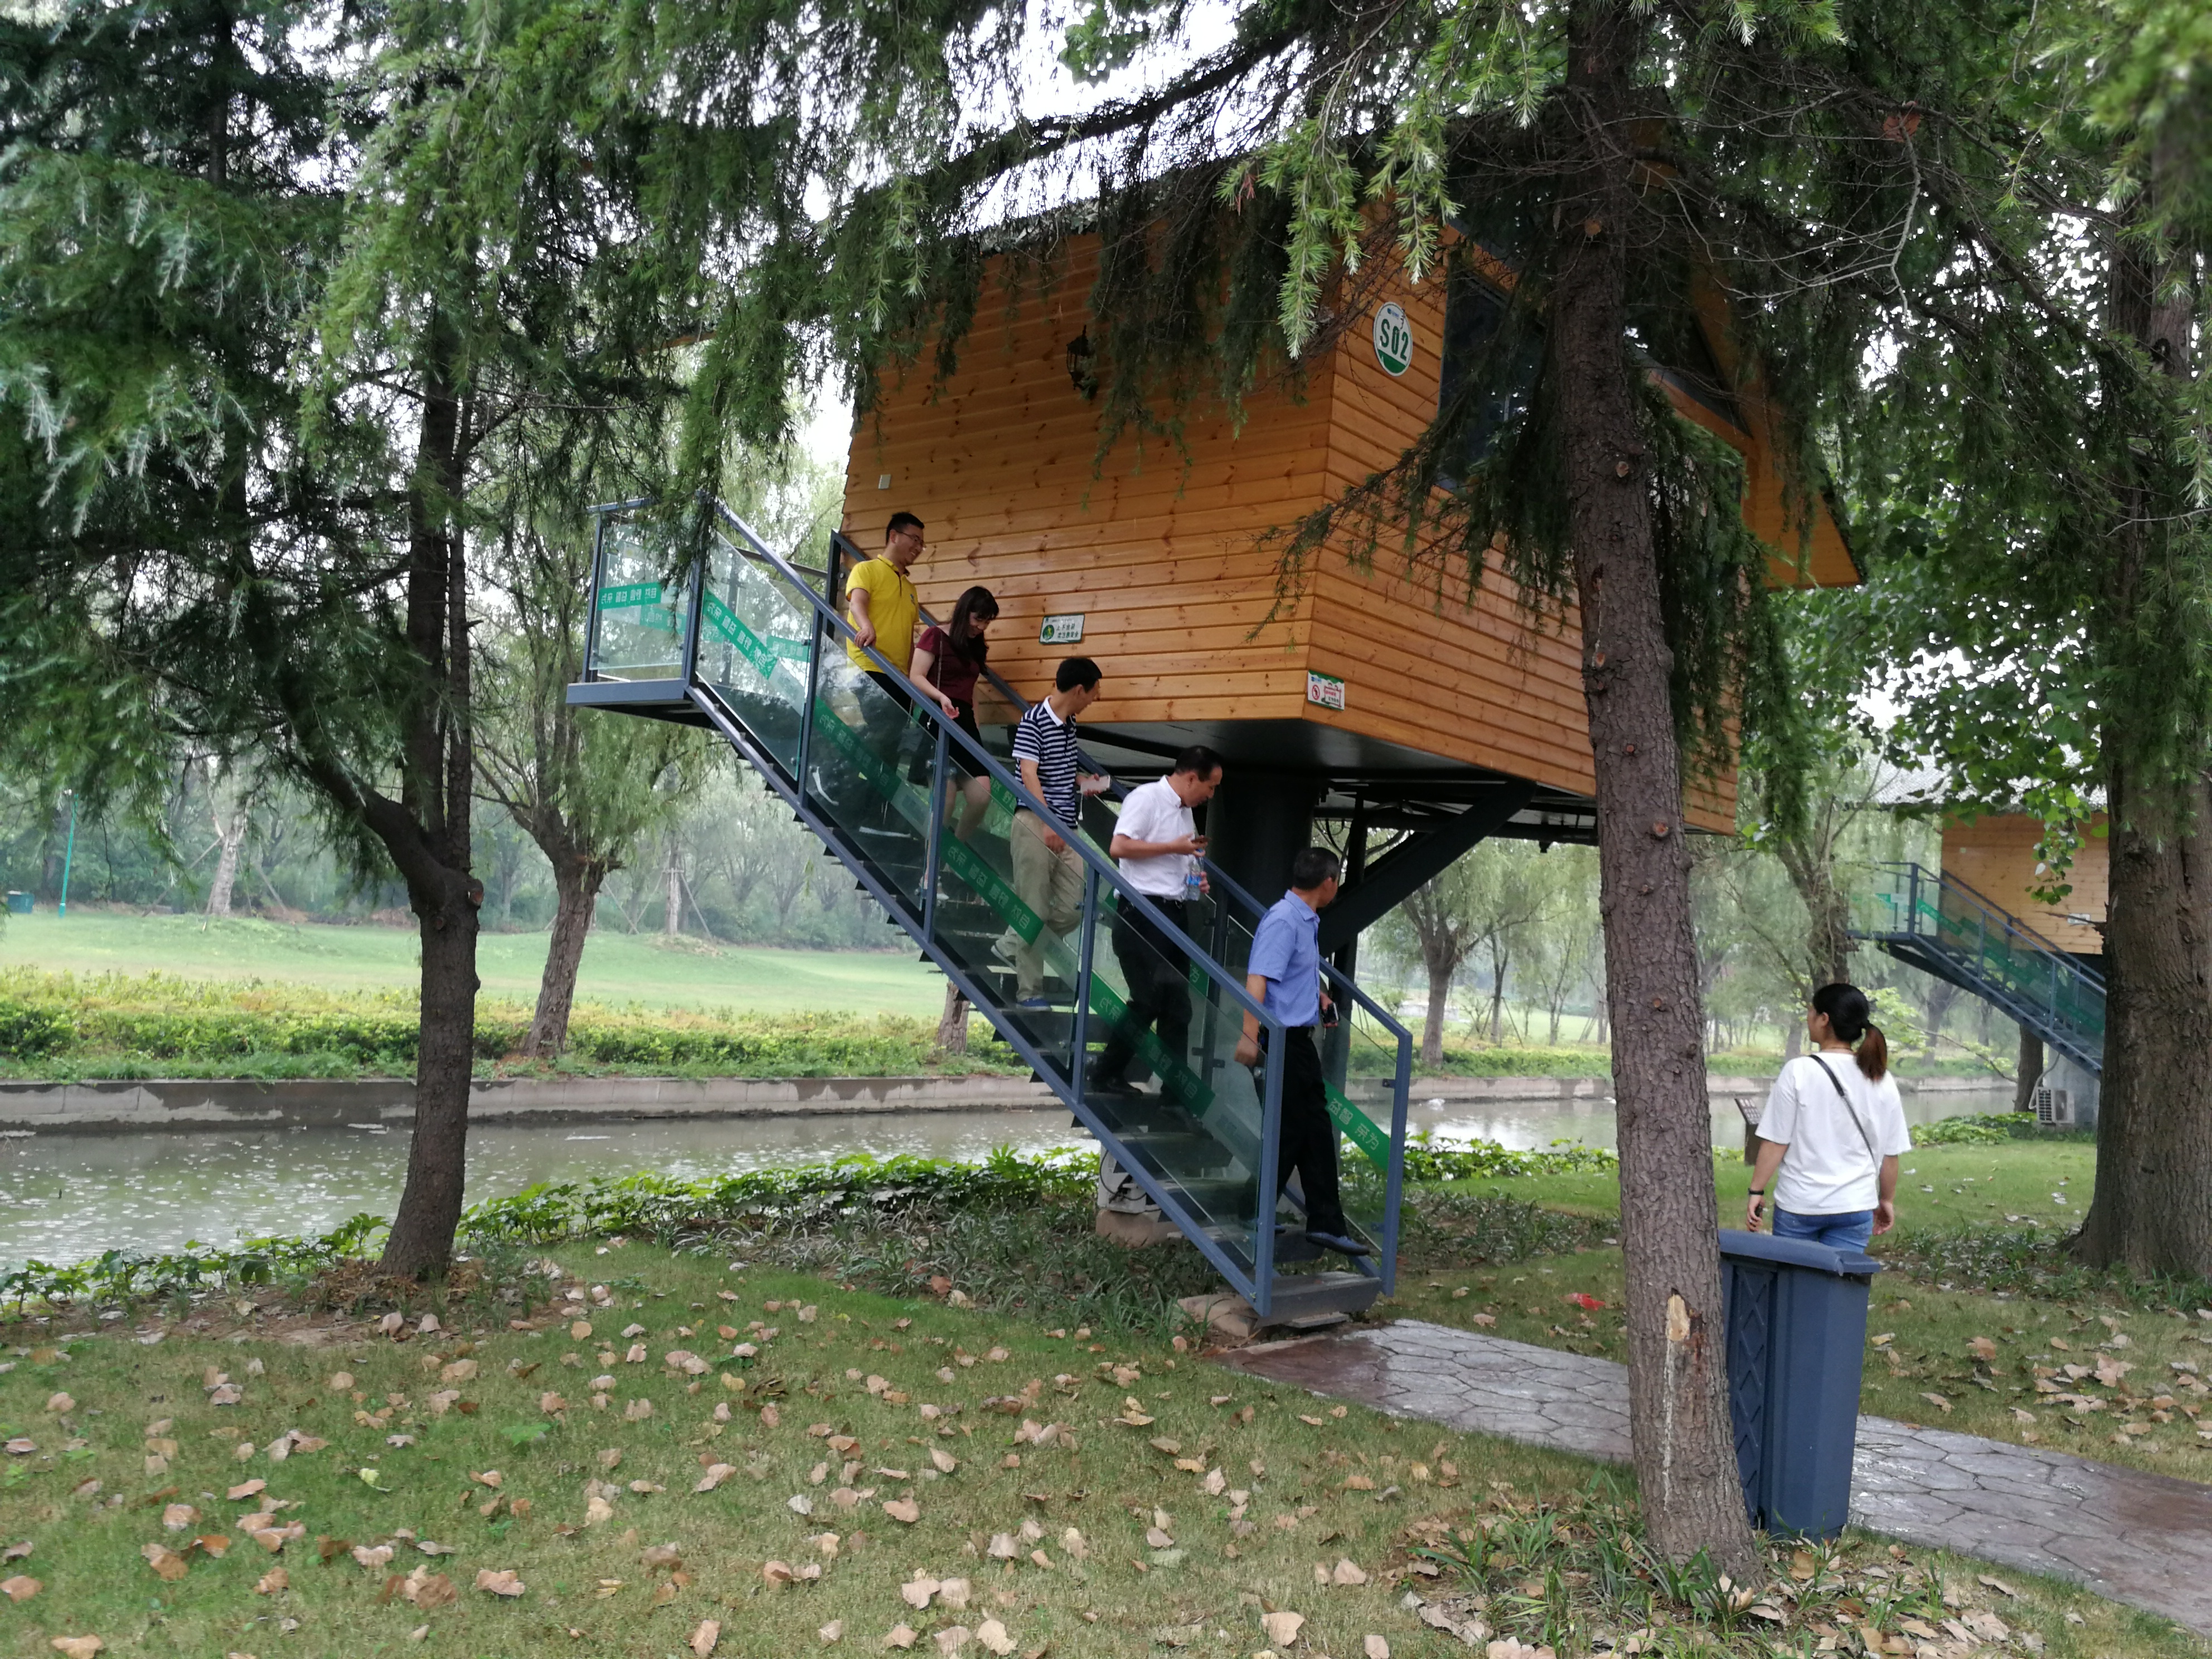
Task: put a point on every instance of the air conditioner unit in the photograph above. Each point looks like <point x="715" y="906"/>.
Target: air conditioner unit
<point x="2054" y="1107"/>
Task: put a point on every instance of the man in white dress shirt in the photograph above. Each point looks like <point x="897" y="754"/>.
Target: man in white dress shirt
<point x="1157" y="842"/>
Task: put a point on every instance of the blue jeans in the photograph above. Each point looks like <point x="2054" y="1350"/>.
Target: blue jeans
<point x="1848" y="1231"/>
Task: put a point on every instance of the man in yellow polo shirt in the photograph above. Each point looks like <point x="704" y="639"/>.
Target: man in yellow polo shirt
<point x="884" y="611"/>
<point x="883" y="608"/>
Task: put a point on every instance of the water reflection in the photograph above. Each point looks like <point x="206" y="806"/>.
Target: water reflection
<point x="64" y="1198"/>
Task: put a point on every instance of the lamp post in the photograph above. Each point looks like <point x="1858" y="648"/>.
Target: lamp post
<point x="68" y="852"/>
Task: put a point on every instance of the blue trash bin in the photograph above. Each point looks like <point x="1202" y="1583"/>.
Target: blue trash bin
<point x="1796" y="1317"/>
<point x="19" y="905"/>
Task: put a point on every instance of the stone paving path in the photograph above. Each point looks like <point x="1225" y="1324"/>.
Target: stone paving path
<point x="2142" y="1539"/>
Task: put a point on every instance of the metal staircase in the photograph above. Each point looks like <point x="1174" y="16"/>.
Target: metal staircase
<point x="1942" y="926"/>
<point x="693" y="618"/>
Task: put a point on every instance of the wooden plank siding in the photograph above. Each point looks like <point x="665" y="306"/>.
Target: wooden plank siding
<point x="1165" y="554"/>
<point x="1158" y="551"/>
<point x="1995" y="855"/>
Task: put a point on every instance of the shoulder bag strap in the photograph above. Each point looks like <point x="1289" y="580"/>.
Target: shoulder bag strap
<point x="1850" y="1110"/>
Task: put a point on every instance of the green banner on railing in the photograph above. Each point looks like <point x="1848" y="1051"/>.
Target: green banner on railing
<point x="1362" y="1131"/>
<point x="912" y="804"/>
<point x="733" y="629"/>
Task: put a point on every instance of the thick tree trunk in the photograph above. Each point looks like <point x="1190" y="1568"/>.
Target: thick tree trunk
<point x="2030" y="1071"/>
<point x="428" y="834"/>
<point x="952" y="1024"/>
<point x="1683" y="1446"/>
<point x="1827" y="911"/>
<point x="1432" y="1029"/>
<point x="1499" y="961"/>
<point x="671" y="921"/>
<point x="230" y="834"/>
<point x="422" y="1239"/>
<point x="1935" y="1009"/>
<point x="2152" y="1208"/>
<point x="576" y="888"/>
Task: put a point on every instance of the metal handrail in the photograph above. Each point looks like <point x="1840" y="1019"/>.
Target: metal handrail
<point x="1336" y="976"/>
<point x="989" y="765"/>
<point x="1942" y="881"/>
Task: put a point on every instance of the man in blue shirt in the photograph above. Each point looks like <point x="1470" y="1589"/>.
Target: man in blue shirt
<point x="1284" y="977"/>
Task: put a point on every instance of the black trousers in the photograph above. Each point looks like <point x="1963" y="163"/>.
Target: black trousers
<point x="1158" y="977"/>
<point x="1308" y="1148"/>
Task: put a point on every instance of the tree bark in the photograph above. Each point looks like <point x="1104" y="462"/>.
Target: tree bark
<point x="577" y="881"/>
<point x="2030" y="1073"/>
<point x="230" y="835"/>
<point x="1683" y="1446"/>
<point x="671" y="921"/>
<point x="1935" y="1009"/>
<point x="952" y="1024"/>
<point x="2152" y="1208"/>
<point x="427" y="831"/>
<point x="1432" y="1029"/>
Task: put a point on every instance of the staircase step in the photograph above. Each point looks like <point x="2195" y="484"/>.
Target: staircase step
<point x="1300" y="1297"/>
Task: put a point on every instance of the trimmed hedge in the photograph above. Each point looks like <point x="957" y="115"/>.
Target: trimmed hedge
<point x="156" y="1016"/>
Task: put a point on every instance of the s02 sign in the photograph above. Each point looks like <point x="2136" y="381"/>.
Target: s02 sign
<point x="1394" y="339"/>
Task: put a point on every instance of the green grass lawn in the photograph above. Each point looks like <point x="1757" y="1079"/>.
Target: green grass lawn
<point x="488" y="1491"/>
<point x="1960" y="1334"/>
<point x="617" y="968"/>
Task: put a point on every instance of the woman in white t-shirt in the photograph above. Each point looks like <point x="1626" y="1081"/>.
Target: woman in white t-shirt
<point x="1834" y="1129"/>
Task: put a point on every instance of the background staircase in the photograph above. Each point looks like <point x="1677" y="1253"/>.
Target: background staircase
<point x="1942" y="926"/>
<point x="693" y="619"/>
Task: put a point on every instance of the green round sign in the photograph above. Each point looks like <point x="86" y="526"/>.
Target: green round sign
<point x="1394" y="339"/>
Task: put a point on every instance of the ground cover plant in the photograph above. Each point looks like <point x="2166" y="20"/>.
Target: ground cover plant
<point x="65" y="1026"/>
<point x="616" y="1447"/>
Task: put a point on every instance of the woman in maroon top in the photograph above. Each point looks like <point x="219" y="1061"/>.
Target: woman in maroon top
<point x="949" y="660"/>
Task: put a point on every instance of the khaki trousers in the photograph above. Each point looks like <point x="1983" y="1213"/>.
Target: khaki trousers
<point x="1051" y="884"/>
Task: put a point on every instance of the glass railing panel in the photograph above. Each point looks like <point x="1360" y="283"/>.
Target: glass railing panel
<point x="1008" y="912"/>
<point x="1162" y="1073"/>
<point x="1359" y="1057"/>
<point x="1365" y="1055"/>
<point x="867" y="750"/>
<point x="753" y="636"/>
<point x="639" y="614"/>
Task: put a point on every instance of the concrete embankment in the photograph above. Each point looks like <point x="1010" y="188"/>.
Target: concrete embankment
<point x="168" y="1103"/>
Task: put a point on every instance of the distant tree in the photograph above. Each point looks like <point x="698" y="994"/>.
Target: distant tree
<point x="586" y="789"/>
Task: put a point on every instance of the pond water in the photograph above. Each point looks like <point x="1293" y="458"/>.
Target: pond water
<point x="65" y="1197"/>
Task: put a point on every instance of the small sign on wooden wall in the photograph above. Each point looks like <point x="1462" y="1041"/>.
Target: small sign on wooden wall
<point x="1325" y="689"/>
<point x="1060" y="630"/>
<point x="1394" y="339"/>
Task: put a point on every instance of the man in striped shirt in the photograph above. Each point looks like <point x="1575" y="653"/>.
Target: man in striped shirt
<point x="1048" y="871"/>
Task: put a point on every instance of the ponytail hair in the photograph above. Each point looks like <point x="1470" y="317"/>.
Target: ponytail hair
<point x="1851" y="1019"/>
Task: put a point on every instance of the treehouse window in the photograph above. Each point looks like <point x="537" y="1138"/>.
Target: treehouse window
<point x="1494" y="372"/>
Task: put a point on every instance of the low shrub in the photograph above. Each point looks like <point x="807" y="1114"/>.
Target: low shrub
<point x="1990" y="1128"/>
<point x="1483" y="1160"/>
<point x="30" y="1032"/>
<point x="123" y="1025"/>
